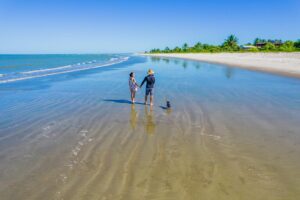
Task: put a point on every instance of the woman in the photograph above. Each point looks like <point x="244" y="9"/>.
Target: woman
<point x="133" y="86"/>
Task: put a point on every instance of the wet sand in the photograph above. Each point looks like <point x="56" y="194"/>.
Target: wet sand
<point x="287" y="64"/>
<point x="231" y="134"/>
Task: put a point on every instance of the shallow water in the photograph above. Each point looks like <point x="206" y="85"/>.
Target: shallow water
<point x="231" y="134"/>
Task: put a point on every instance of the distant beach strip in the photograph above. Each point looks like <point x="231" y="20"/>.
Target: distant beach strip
<point x="283" y="63"/>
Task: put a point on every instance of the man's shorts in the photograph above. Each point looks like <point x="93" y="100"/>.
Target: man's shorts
<point x="149" y="91"/>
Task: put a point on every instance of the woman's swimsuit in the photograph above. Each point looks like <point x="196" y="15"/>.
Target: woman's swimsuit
<point x="132" y="84"/>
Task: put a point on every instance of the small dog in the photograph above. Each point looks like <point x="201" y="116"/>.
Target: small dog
<point x="168" y="104"/>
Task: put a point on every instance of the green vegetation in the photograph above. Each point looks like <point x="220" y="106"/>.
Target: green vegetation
<point x="297" y="44"/>
<point x="231" y="45"/>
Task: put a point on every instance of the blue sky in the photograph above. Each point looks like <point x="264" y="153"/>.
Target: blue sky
<point x="90" y="26"/>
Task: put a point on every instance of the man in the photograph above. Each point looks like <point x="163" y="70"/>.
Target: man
<point x="150" y="80"/>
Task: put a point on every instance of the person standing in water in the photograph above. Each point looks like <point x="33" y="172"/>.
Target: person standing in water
<point x="150" y="80"/>
<point x="133" y="87"/>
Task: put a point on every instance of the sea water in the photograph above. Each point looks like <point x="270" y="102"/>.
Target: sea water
<point x="21" y="67"/>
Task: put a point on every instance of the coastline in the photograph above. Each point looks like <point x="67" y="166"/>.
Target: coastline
<point x="286" y="64"/>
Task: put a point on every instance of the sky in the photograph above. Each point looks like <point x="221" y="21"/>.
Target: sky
<point x="115" y="26"/>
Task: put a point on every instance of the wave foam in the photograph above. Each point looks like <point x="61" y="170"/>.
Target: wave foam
<point x="7" y="78"/>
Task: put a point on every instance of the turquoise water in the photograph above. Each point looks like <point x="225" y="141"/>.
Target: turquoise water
<point x="22" y="67"/>
<point x="231" y="133"/>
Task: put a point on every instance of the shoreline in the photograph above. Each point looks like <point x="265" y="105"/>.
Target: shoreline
<point x="284" y="64"/>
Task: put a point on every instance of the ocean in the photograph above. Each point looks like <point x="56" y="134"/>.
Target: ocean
<point x="21" y="67"/>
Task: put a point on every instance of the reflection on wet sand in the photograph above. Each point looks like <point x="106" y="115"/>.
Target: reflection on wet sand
<point x="133" y="117"/>
<point x="184" y="64"/>
<point x="168" y="111"/>
<point x="149" y="121"/>
<point x="197" y="65"/>
<point x="229" y="71"/>
<point x="155" y="59"/>
<point x="166" y="60"/>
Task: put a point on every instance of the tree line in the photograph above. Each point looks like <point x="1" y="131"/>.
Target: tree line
<point x="231" y="45"/>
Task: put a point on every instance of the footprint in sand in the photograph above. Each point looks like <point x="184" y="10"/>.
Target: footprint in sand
<point x="83" y="133"/>
<point x="215" y="137"/>
<point x="63" y="178"/>
<point x="47" y="130"/>
<point x="58" y="196"/>
<point x="77" y="148"/>
<point x="49" y="126"/>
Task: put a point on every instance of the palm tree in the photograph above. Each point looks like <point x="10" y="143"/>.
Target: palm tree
<point x="198" y="47"/>
<point x="231" y="43"/>
<point x="185" y="47"/>
<point x="176" y="50"/>
<point x="256" y="41"/>
<point x="297" y="44"/>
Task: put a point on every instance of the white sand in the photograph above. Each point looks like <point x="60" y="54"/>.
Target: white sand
<point x="280" y="63"/>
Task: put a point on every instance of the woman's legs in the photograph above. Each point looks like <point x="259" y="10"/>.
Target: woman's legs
<point x="133" y="96"/>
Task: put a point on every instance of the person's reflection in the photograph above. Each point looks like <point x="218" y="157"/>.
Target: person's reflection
<point x="229" y="72"/>
<point x="133" y="117"/>
<point x="149" y="122"/>
<point x="197" y="66"/>
<point x="184" y="64"/>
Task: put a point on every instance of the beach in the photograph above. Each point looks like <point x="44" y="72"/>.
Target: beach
<point x="231" y="133"/>
<point x="287" y="64"/>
